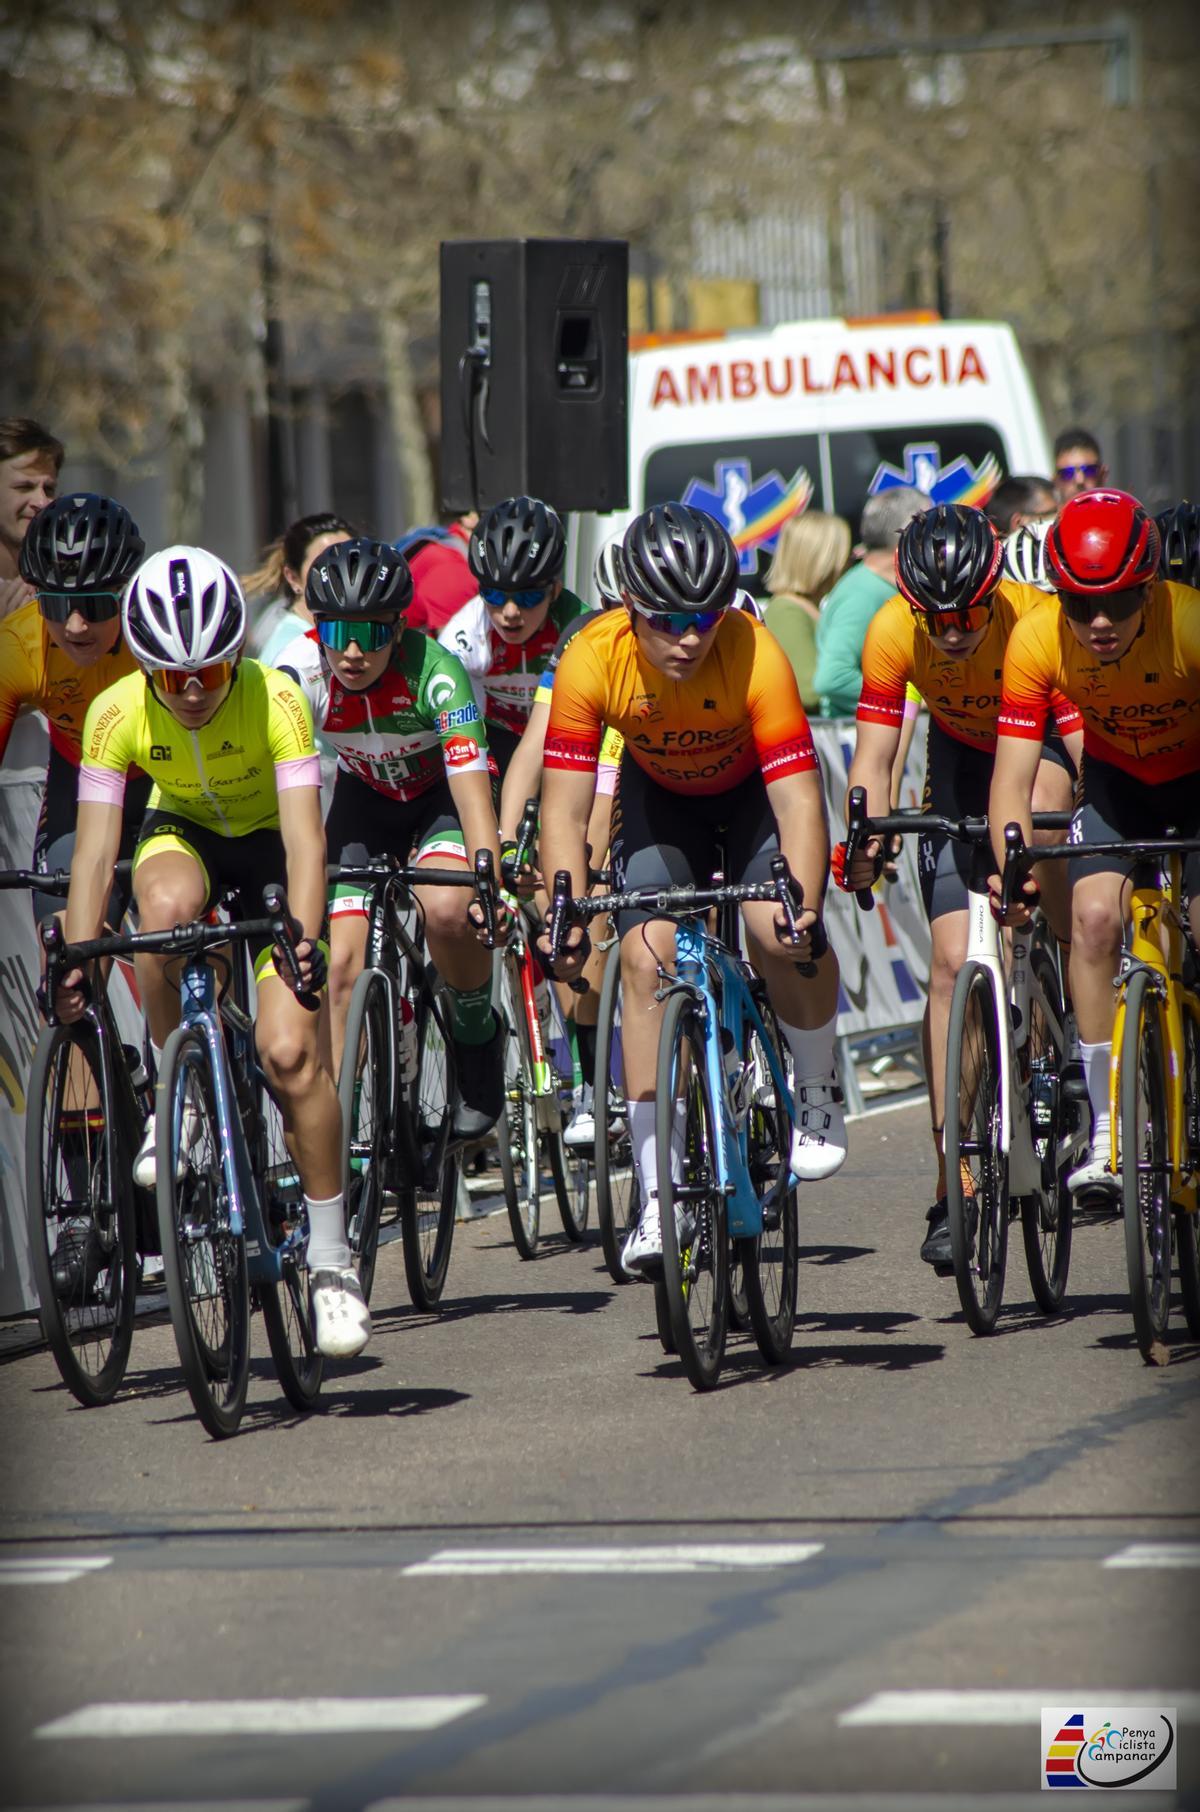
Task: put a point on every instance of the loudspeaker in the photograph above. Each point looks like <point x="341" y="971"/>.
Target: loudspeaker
<point x="535" y="372"/>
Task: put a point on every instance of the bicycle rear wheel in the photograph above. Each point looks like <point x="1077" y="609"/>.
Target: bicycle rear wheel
<point x="518" y="1134"/>
<point x="1145" y="1164"/>
<point x="1046" y="1217"/>
<point x="696" y="1251"/>
<point x="616" y="1180"/>
<point x="204" y="1262"/>
<point x="1187" y="1246"/>
<point x="428" y="1205"/>
<point x="771" y="1262"/>
<point x="976" y="1166"/>
<point x="287" y="1313"/>
<point x="364" y="1094"/>
<point x="80" y="1213"/>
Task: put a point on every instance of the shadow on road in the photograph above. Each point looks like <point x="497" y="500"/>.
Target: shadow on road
<point x="557" y="1302"/>
<point x="832" y="1255"/>
<point x="746" y="1366"/>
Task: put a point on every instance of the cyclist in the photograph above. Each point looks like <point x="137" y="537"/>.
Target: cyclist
<point x="717" y="749"/>
<point x="61" y="651"/>
<point x="1124" y="646"/>
<point x="1180" y="532"/>
<point x="412" y="781"/>
<point x="944" y="632"/>
<point x="516" y="552"/>
<point x="236" y="803"/>
<point x="1025" y="556"/>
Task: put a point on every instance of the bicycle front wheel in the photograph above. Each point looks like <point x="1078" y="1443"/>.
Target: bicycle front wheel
<point x="1187" y="1246"/>
<point x="1046" y="1216"/>
<point x="771" y="1262"/>
<point x="616" y="1180"/>
<point x="204" y="1262"/>
<point x="695" y="1239"/>
<point x="1145" y="1163"/>
<point x="976" y="1166"/>
<point x="570" y="1169"/>
<point x="80" y="1213"/>
<point x="429" y="1203"/>
<point x="287" y="1312"/>
<point x="364" y="1094"/>
<point x="518" y="1135"/>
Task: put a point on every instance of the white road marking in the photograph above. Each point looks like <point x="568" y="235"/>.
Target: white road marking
<point x="680" y="1557"/>
<point x="968" y="1800"/>
<point x="1157" y="1554"/>
<point x="1005" y="1707"/>
<point x="262" y="1717"/>
<point x="51" y="1569"/>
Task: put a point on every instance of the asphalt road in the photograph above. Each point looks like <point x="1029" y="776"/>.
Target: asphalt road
<point x="515" y="1555"/>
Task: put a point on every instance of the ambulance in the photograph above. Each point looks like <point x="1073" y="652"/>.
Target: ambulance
<point x="756" y="426"/>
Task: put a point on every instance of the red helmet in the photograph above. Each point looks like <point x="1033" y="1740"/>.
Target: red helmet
<point x="1102" y="541"/>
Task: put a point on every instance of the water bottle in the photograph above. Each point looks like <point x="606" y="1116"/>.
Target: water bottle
<point x="408" y="1043"/>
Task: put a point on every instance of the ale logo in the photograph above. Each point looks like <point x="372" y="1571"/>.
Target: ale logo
<point x="1116" y="1746"/>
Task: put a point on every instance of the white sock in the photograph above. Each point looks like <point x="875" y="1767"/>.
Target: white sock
<point x="327" y="1248"/>
<point x="156" y="1053"/>
<point x="645" y="1145"/>
<point x="1096" y="1060"/>
<point x="812" y="1050"/>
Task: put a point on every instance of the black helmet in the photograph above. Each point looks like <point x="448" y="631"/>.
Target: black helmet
<point x="358" y="578"/>
<point x="677" y="558"/>
<point x="81" y="543"/>
<point x="519" y="543"/>
<point x="1180" y="556"/>
<point x="948" y="558"/>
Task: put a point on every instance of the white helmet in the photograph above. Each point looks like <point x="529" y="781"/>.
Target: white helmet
<point x="1025" y="555"/>
<point x="608" y="572"/>
<point x="183" y="609"/>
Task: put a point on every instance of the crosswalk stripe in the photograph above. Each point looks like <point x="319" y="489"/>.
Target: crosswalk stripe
<point x="1157" y="1554"/>
<point x="262" y="1717"/>
<point x="938" y="1706"/>
<point x="51" y="1569"/>
<point x="678" y="1557"/>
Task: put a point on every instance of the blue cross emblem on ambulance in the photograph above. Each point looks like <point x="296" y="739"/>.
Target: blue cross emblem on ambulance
<point x="957" y="482"/>
<point x="753" y="510"/>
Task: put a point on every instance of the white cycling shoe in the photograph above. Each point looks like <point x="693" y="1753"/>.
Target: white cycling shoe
<point x="145" y="1164"/>
<point x="1093" y="1175"/>
<point x="819" y="1135"/>
<point x="581" y="1128"/>
<point x="341" y="1319"/>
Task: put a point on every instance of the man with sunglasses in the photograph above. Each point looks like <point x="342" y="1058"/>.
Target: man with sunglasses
<point x="718" y="756"/>
<point x="61" y="651"/>
<point x="412" y="782"/>
<point x="944" y="633"/>
<point x="504" y="636"/>
<point x="1078" y="466"/>
<point x="236" y="804"/>
<point x="1124" y="646"/>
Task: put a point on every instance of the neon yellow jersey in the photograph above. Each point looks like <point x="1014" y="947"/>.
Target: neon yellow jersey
<point x="228" y="774"/>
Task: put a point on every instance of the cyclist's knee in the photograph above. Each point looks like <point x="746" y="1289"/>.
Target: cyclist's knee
<point x="289" y="1057"/>
<point x="1095" y="924"/>
<point x="445" y="911"/>
<point x="639" y="961"/>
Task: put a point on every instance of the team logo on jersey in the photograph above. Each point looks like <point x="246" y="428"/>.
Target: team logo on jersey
<point x="460" y="750"/>
<point x="958" y="482"/>
<point x="752" y="509"/>
<point x="439" y="691"/>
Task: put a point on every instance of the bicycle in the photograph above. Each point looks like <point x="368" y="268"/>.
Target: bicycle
<point x="735" y="1173"/>
<point x="1154" y="1079"/>
<point x="617" y="1200"/>
<point x="397" y="1085"/>
<point x="539" y="1072"/>
<point x="1014" y="1125"/>
<point x="86" y="1105"/>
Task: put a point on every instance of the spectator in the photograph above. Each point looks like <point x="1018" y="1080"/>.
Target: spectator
<point x="30" y="461"/>
<point x="812" y="552"/>
<point x="847" y="611"/>
<point x="1017" y="501"/>
<point x="1077" y="464"/>
<point x="442" y="580"/>
<point x="281" y="577"/>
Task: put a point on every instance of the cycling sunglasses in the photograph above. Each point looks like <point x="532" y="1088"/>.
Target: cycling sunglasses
<point x="93" y="607"/>
<point x="677" y="622"/>
<point x="1091" y="471"/>
<point x="370" y="633"/>
<point x="524" y="600"/>
<point x="1117" y="606"/>
<point x="176" y="680"/>
<point x="967" y="621"/>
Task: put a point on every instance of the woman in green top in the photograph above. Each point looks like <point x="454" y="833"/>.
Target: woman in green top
<point x="810" y="556"/>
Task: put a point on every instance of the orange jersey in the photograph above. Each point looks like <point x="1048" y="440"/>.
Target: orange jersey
<point x="1141" y="713"/>
<point x="35" y="675"/>
<point x="963" y="692"/>
<point x="737" y="714"/>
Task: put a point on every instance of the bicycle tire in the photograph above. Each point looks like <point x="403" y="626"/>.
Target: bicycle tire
<point x="739" y="1306"/>
<point x="662" y="1317"/>
<point x="1145" y="1164"/>
<point x="1187" y="1245"/>
<point x="428" y="1206"/>
<point x="285" y="1304"/>
<point x="570" y="1171"/>
<point x="770" y="1263"/>
<point x="364" y="1096"/>
<point x="978" y="1216"/>
<point x="76" y="1159"/>
<point x="696" y="1264"/>
<point x="204" y="1262"/>
<point x="1047" y="1217"/>
<point x="520" y="1158"/>
<point x="616" y="1179"/>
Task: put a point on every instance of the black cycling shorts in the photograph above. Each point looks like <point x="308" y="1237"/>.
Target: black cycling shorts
<point x="248" y="863"/>
<point x="664" y="839"/>
<point x="1118" y="807"/>
<point x="364" y="825"/>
